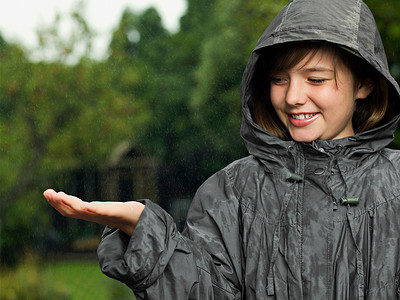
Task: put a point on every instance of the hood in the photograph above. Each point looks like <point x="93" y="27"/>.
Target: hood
<point x="347" y="23"/>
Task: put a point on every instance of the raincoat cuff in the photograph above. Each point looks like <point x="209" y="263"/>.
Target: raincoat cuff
<point x="140" y="259"/>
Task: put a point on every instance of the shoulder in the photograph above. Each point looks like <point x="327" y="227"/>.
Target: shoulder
<point x="244" y="175"/>
<point x="387" y="164"/>
<point x="243" y="167"/>
<point x="227" y="180"/>
<point x="237" y="168"/>
<point x="389" y="159"/>
<point x="391" y="153"/>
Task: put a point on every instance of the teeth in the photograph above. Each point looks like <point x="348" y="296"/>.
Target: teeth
<point x="302" y="116"/>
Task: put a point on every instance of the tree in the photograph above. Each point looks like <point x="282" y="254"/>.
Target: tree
<point x="158" y="71"/>
<point x="223" y="59"/>
<point x="175" y="96"/>
<point x="387" y="17"/>
<point x="54" y="117"/>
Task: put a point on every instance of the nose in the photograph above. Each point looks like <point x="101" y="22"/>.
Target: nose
<point x="295" y="93"/>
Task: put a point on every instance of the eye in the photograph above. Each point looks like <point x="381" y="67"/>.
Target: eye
<point x="278" y="80"/>
<point x="316" y="80"/>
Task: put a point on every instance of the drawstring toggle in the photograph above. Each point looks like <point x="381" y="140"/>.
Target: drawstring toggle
<point x="349" y="201"/>
<point x="293" y="177"/>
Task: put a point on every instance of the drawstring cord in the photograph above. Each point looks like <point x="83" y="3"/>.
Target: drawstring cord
<point x="277" y="232"/>
<point x="359" y="260"/>
<point x="346" y="200"/>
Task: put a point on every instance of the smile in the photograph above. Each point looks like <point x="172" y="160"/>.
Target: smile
<point x="302" y="116"/>
<point x="302" y="120"/>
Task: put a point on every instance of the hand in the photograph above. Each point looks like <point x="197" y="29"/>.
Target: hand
<point x="122" y="215"/>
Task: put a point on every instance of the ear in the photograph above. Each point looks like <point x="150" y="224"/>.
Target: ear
<point x="364" y="88"/>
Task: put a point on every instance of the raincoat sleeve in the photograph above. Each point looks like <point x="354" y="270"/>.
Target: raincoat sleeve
<point x="159" y="262"/>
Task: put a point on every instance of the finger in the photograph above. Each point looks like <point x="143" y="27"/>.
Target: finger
<point x="55" y="197"/>
<point x="52" y="199"/>
<point x="49" y="194"/>
<point x="67" y="205"/>
<point x="68" y="201"/>
<point x="72" y="202"/>
<point x="107" y="208"/>
<point x="63" y="198"/>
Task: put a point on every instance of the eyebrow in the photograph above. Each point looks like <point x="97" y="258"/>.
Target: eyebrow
<point x="317" y="69"/>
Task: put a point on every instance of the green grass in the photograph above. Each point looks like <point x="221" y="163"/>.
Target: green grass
<point x="62" y="279"/>
<point x="84" y="281"/>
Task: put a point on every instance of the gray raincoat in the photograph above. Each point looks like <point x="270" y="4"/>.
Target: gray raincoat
<point x="271" y="226"/>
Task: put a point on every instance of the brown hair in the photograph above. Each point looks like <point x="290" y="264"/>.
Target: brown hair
<point x="370" y="112"/>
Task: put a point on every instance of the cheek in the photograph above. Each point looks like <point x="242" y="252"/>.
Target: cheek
<point x="275" y="98"/>
<point x="348" y="101"/>
<point x="333" y="99"/>
<point x="338" y="106"/>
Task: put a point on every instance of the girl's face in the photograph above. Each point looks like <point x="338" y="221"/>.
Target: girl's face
<point x="312" y="102"/>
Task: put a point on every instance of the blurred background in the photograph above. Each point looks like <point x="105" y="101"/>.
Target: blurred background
<point x="144" y="110"/>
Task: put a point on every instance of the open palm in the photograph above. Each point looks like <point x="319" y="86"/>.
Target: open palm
<point x="122" y="215"/>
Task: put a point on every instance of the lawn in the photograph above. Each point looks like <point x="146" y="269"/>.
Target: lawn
<point x="62" y="278"/>
<point x="83" y="280"/>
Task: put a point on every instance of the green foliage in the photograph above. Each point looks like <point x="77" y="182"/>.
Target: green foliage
<point x="24" y="224"/>
<point x="54" y="117"/>
<point x="387" y="17"/>
<point x="26" y="283"/>
<point x="175" y="96"/>
<point x="66" y="49"/>
<point x="215" y="100"/>
<point x="162" y="82"/>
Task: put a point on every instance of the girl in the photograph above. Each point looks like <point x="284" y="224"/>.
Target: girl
<point x="312" y="213"/>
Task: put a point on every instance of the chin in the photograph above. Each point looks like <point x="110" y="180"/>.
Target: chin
<point x="303" y="138"/>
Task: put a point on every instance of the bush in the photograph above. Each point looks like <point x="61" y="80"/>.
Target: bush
<point x="26" y="283"/>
